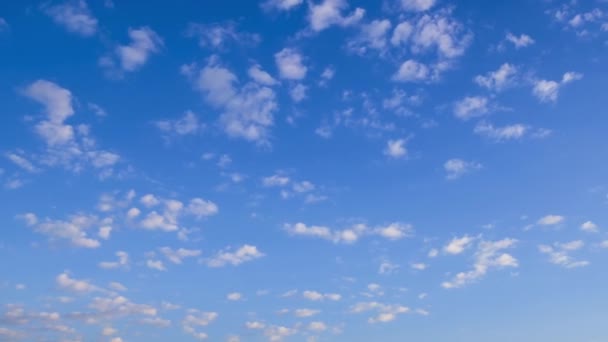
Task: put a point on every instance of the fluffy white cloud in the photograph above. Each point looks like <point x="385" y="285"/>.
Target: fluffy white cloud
<point x="589" y="227"/>
<point x="458" y="245"/>
<point x="156" y="265"/>
<point x="471" y="107"/>
<point x="318" y="296"/>
<point x="243" y="254"/>
<point x="275" y="180"/>
<point x="234" y="296"/>
<point x="550" y="220"/>
<point x="298" y="92"/>
<point x="510" y="132"/>
<point x="437" y="32"/>
<point x="261" y="76"/>
<point x="178" y="255"/>
<point x="197" y="319"/>
<point x="548" y="91"/>
<point x="384" y="312"/>
<point x="559" y="254"/>
<point x="67" y="145"/>
<point x="488" y="256"/>
<point x="328" y="13"/>
<point x="75" y="16"/>
<point x="499" y="79"/>
<point x="417" y="5"/>
<point x="74" y="229"/>
<point x="290" y="64"/>
<point x="456" y="168"/>
<point x="65" y="282"/>
<point x="247" y="110"/>
<point x="131" y="57"/>
<point x="393" y="231"/>
<point x="187" y="124"/>
<point x="395" y="148"/>
<point x="202" y="208"/>
<point x="372" y="36"/>
<point x="412" y="71"/>
<point x="519" y="42"/>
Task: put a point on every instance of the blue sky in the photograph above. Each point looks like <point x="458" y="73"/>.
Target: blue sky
<point x="290" y="170"/>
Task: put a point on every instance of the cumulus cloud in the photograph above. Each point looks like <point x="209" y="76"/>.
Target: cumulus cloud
<point x="122" y="262"/>
<point x="372" y="36"/>
<point x="329" y="13"/>
<point x="471" y="107"/>
<point x="509" y="132"/>
<point x="69" y="146"/>
<point x="384" y="312"/>
<point x="74" y="16"/>
<point x="559" y="254"/>
<point x="75" y="229"/>
<point x="133" y="56"/>
<point x="247" y="110"/>
<point x="290" y="64"/>
<point x="260" y="76"/>
<point x="176" y="256"/>
<point x="498" y="80"/>
<point x="281" y="5"/>
<point x="188" y="124"/>
<point x="488" y="256"/>
<point x="412" y="71"/>
<point x="589" y="227"/>
<point x="318" y="296"/>
<point x="456" y="168"/>
<point x="550" y="220"/>
<point x="520" y="41"/>
<point x="396" y="148"/>
<point x="393" y="231"/>
<point x="458" y="245"/>
<point x="236" y="257"/>
<point x="548" y="91"/>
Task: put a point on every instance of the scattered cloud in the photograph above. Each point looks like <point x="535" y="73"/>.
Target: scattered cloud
<point x="456" y="168"/>
<point x="559" y="254"/>
<point x="74" y="16"/>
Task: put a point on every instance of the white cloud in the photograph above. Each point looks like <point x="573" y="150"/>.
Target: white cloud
<point x="318" y="296"/>
<point x="412" y="71"/>
<point x="559" y="254"/>
<point x="243" y="254"/>
<point x="21" y="161"/>
<point x="499" y="79"/>
<point x="234" y="296"/>
<point x="458" y="245"/>
<point x="282" y="5"/>
<point x="255" y="325"/>
<point x="589" y="227"/>
<point x="290" y="64"/>
<point x="218" y="35"/>
<point x="317" y="326"/>
<point x="437" y="32"/>
<point x="456" y="168"/>
<point x="488" y="256"/>
<point x="186" y="125"/>
<point x="417" y="5"/>
<point x="393" y="231"/>
<point x="247" y="111"/>
<point x="67" y="145"/>
<point x="123" y="261"/>
<point x="548" y="91"/>
<point x="275" y="180"/>
<point x="471" y="107"/>
<point x="384" y="312"/>
<point x="278" y="333"/>
<point x="395" y="148"/>
<point x="298" y="92"/>
<point x="156" y="265"/>
<point x="131" y="57"/>
<point x="551" y="220"/>
<point x="178" y="255"/>
<point x="65" y="282"/>
<point x="149" y="200"/>
<point x="519" y="42"/>
<point x="510" y="132"/>
<point x="419" y="266"/>
<point x="328" y="13"/>
<point x="75" y="229"/>
<point x="74" y="16"/>
<point x="306" y="312"/>
<point x="261" y="76"/>
<point x="371" y="36"/>
<point x="433" y="253"/>
<point x="202" y="208"/>
<point x="197" y="319"/>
